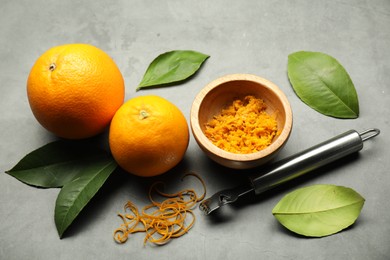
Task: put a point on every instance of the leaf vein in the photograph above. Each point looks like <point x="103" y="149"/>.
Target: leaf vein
<point x="318" y="211"/>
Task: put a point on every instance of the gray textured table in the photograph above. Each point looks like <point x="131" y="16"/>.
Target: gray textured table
<point x="241" y="37"/>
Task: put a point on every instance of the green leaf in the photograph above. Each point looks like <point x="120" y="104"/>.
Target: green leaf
<point x="75" y="195"/>
<point x="56" y="163"/>
<point x="319" y="210"/>
<point x="79" y="167"/>
<point x="171" y="67"/>
<point x="322" y="83"/>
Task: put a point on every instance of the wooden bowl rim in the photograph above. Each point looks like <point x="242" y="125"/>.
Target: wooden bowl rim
<point x="206" y="144"/>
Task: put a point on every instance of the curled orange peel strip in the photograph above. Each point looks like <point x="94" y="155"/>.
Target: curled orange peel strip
<point x="161" y="221"/>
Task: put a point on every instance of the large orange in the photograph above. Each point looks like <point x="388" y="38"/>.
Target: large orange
<point x="148" y="136"/>
<point x="74" y="90"/>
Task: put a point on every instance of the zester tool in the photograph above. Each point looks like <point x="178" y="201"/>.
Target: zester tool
<point x="292" y="167"/>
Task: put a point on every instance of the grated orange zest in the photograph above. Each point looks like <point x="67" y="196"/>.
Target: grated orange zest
<point x="243" y="127"/>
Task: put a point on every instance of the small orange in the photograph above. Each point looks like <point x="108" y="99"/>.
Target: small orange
<point x="74" y="90"/>
<point x="148" y="136"/>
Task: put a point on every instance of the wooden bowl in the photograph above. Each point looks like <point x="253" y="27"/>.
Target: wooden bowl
<point x="219" y="94"/>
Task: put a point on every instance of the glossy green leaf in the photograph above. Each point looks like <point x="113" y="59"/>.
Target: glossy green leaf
<point x="322" y="83"/>
<point x="319" y="210"/>
<point x="56" y="163"/>
<point x="75" y="195"/>
<point x="171" y="67"/>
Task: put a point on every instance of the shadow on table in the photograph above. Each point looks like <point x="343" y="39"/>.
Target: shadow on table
<point x="138" y="187"/>
<point x="227" y="212"/>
